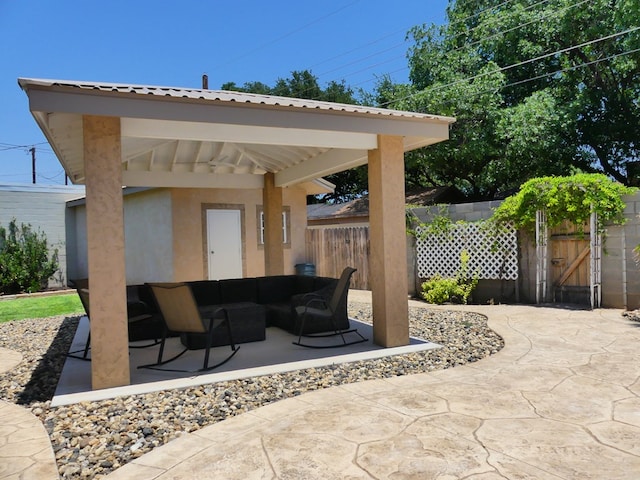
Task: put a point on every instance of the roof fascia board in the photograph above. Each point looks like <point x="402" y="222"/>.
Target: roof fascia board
<point x="133" y="178"/>
<point x="220" y="132"/>
<point x="194" y="110"/>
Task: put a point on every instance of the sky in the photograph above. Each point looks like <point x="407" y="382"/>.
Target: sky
<point x="173" y="43"/>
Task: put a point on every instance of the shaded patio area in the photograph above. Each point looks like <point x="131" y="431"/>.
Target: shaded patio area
<point x="276" y="354"/>
<point x="112" y="135"/>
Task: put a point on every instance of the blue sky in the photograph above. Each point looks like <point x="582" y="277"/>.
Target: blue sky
<point x="174" y="43"/>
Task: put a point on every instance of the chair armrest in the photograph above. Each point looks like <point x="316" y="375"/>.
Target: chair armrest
<point x="309" y="299"/>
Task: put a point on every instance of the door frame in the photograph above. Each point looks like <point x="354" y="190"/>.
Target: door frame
<point x="205" y="240"/>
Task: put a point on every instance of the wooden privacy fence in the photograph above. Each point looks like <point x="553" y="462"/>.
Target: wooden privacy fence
<point x="332" y="249"/>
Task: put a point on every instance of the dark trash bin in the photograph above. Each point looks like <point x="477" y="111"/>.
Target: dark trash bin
<point x="307" y="269"/>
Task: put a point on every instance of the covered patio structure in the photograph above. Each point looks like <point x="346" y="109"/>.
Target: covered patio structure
<point x="107" y="136"/>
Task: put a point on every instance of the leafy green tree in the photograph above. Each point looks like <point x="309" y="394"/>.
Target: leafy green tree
<point x="537" y="88"/>
<point x="25" y="262"/>
<point x="349" y="184"/>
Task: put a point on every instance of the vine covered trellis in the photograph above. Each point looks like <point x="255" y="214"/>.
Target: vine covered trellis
<point x="572" y="198"/>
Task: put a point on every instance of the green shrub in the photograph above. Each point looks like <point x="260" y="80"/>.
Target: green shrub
<point x="25" y="265"/>
<point x="441" y="290"/>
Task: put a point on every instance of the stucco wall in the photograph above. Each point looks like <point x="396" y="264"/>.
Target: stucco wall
<point x="42" y="206"/>
<point x="77" y="257"/>
<point x="620" y="273"/>
<point x="165" y="233"/>
<point x="189" y="241"/>
<point x="148" y="236"/>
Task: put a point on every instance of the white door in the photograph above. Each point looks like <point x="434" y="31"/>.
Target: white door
<point x="224" y="243"/>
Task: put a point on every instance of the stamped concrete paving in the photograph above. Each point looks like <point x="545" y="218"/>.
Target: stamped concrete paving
<point x="560" y="401"/>
<point x="25" y="451"/>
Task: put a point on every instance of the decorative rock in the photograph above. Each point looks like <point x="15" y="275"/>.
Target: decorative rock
<point x="92" y="439"/>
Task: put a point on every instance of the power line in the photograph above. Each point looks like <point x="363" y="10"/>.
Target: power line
<point x="574" y="67"/>
<point x="537" y="19"/>
<point x="550" y="74"/>
<point x="436" y="88"/>
<point x="517" y="27"/>
<point x="405" y="29"/>
<point x="10" y="146"/>
<point x="288" y="34"/>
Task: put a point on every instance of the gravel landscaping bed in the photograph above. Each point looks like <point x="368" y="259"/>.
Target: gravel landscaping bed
<point x="92" y="439"/>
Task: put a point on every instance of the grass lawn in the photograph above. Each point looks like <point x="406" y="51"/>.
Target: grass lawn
<point x="39" y="307"/>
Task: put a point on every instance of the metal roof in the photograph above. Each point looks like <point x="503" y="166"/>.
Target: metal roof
<point x="228" y="96"/>
<point x="193" y="137"/>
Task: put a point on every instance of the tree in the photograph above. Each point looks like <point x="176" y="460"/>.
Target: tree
<point x="25" y="264"/>
<point x="349" y="184"/>
<point x="537" y="89"/>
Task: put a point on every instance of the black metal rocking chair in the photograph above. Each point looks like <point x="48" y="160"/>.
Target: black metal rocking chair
<point x="317" y="318"/>
<point x="83" y="293"/>
<point x="182" y="315"/>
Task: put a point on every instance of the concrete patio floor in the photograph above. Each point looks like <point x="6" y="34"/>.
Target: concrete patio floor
<point x="276" y="354"/>
<point x="560" y="401"/>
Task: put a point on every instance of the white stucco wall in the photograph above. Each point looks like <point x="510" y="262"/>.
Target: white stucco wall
<point x="147" y="233"/>
<point x="44" y="207"/>
<point x="148" y="237"/>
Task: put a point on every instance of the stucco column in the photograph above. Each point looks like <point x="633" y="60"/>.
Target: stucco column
<point x="272" y="208"/>
<point x="387" y="232"/>
<point x="106" y="252"/>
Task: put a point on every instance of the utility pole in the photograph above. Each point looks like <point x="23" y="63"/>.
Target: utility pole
<point x="33" y="164"/>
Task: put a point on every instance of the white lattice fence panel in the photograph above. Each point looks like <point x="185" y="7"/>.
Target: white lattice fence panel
<point x="492" y="255"/>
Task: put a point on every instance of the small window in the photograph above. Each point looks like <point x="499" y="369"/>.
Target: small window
<point x="286" y="226"/>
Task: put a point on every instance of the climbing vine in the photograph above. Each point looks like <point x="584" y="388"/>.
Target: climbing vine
<point x="570" y="198"/>
<point x="439" y="224"/>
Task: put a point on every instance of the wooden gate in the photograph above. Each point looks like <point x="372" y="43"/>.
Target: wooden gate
<point x="569" y="249"/>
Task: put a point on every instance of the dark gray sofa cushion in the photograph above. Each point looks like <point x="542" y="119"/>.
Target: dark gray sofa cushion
<point x="236" y="290"/>
<point x="304" y="284"/>
<point x="247" y="325"/>
<point x="276" y="289"/>
<point x="206" y="292"/>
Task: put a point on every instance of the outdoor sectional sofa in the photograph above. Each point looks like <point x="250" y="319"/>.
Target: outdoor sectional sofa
<point x="251" y="303"/>
<point x="256" y="303"/>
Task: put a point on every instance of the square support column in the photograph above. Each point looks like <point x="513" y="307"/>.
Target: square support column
<point x="388" y="237"/>
<point x="106" y="252"/>
<point x="272" y="208"/>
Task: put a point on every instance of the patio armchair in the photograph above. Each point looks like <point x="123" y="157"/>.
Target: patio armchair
<point x="83" y="292"/>
<point x="319" y="317"/>
<point x="182" y="315"/>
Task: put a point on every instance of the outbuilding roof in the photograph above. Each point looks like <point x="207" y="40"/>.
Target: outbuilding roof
<point x="209" y="138"/>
